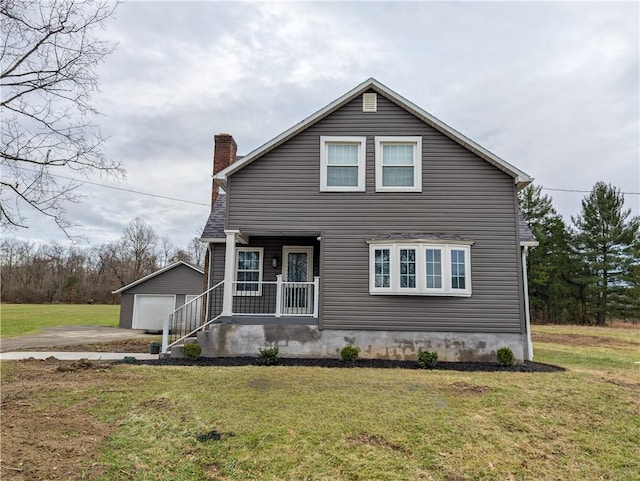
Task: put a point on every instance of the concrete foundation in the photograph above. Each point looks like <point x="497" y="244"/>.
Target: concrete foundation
<point x="234" y="340"/>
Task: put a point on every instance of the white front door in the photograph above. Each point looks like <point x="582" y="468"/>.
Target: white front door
<point x="297" y="267"/>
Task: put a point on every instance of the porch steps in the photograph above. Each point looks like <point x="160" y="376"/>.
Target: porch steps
<point x="175" y="351"/>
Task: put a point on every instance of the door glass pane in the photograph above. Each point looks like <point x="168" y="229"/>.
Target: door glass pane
<point x="297" y="267"/>
<point x="296" y="298"/>
<point x="408" y="268"/>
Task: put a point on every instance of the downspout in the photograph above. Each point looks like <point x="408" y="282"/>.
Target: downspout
<point x="527" y="315"/>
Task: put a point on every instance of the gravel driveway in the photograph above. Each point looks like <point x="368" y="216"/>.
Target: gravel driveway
<point x="69" y="336"/>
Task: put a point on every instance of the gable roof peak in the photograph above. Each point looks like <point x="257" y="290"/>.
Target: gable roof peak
<point x="521" y="179"/>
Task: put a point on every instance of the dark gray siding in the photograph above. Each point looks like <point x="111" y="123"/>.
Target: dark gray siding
<point x="462" y="194"/>
<point x="126" y="311"/>
<point x="179" y="281"/>
<point x="217" y="251"/>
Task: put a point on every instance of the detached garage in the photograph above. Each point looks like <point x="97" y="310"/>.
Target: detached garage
<point x="147" y="301"/>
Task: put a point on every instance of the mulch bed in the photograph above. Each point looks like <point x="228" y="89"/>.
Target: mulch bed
<point x="360" y="363"/>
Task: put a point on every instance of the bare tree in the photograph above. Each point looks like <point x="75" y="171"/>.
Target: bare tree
<point x="196" y="250"/>
<point x="49" y="52"/>
<point x="140" y="244"/>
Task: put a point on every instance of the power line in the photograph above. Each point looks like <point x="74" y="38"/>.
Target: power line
<point x="120" y="188"/>
<point x="584" y="191"/>
<point x="579" y="191"/>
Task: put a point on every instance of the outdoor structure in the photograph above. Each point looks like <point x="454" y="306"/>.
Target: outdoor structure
<point x="369" y="223"/>
<point x="145" y="303"/>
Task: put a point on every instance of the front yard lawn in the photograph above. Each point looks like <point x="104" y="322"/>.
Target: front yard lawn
<point x="20" y="319"/>
<point x="97" y="421"/>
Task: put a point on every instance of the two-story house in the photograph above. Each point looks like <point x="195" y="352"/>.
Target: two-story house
<point x="369" y="223"/>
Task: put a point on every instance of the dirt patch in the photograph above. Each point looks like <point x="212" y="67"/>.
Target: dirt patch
<point x="375" y="440"/>
<point x="74" y="336"/>
<point x="42" y="440"/>
<point x="83" y="365"/>
<point x="123" y="345"/>
<point x="462" y="387"/>
<point x="582" y="340"/>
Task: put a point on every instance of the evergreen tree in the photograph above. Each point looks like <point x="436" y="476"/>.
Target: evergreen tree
<point x="552" y="269"/>
<point x="607" y="241"/>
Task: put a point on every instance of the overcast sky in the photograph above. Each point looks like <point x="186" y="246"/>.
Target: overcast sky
<point x="552" y="88"/>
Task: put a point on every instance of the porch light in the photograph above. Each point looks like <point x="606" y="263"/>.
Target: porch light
<point x="274" y="262"/>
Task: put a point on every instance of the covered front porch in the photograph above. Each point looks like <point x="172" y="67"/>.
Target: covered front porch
<point x="254" y="279"/>
<point x="268" y="275"/>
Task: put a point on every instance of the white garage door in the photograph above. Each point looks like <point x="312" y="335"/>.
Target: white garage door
<point x="150" y="310"/>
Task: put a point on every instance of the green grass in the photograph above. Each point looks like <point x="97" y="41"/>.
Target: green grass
<point x="296" y="423"/>
<point x="20" y="319"/>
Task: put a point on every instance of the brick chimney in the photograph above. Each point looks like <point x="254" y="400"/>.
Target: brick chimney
<point x="224" y="154"/>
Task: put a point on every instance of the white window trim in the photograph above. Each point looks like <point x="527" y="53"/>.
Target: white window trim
<point x="236" y="291"/>
<point x="421" y="270"/>
<point x="417" y="163"/>
<point x="361" y="142"/>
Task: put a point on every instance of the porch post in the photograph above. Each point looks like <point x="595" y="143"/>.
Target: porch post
<point x="316" y="294"/>
<point x="229" y="271"/>
<point x="279" y="295"/>
<point x="165" y="334"/>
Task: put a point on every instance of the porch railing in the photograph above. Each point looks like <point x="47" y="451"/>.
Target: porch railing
<point x="276" y="298"/>
<point x="267" y="298"/>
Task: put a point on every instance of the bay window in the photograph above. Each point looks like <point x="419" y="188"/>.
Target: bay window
<point x="420" y="268"/>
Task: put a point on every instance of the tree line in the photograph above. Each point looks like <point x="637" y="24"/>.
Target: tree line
<point x="586" y="272"/>
<point x="33" y="273"/>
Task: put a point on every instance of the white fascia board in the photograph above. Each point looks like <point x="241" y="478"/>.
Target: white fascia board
<point x="157" y="273"/>
<point x="521" y="178"/>
<point x="529" y="244"/>
<point x="212" y="240"/>
<point x="296" y="129"/>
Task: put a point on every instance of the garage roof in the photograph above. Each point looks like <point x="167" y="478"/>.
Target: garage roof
<point x="157" y="273"/>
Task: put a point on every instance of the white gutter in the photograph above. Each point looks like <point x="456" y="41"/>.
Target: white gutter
<point x="527" y="315"/>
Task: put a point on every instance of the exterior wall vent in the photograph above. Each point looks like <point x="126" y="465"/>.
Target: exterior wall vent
<point x="370" y="102"/>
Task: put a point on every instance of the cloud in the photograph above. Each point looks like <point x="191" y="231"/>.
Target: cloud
<point x="553" y="88"/>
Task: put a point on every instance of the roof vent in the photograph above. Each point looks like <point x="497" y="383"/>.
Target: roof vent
<point x="370" y="102"/>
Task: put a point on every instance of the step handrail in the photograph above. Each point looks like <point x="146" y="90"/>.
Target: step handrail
<point x="170" y="320"/>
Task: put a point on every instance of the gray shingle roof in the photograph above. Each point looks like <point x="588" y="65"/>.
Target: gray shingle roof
<point x="214" y="229"/>
<point x="418" y="235"/>
<point x="525" y="233"/>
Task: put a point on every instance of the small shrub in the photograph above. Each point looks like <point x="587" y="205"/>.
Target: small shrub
<point x="268" y="356"/>
<point x="192" y="351"/>
<point x="506" y="357"/>
<point x="129" y="360"/>
<point x="349" y="353"/>
<point x="427" y="359"/>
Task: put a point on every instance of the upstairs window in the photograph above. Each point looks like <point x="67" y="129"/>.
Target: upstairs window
<point x="398" y="164"/>
<point x="342" y="164"/>
<point x="420" y="268"/>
